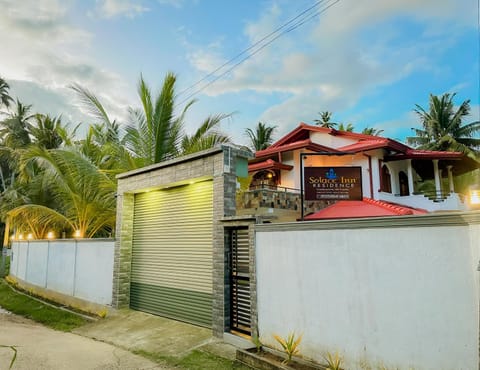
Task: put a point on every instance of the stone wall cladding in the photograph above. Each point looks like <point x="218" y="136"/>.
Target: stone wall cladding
<point x="224" y="205"/>
<point x="217" y="164"/>
<point x="278" y="199"/>
<point x="123" y="251"/>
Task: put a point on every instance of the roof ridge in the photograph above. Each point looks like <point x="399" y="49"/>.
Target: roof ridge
<point x="400" y="210"/>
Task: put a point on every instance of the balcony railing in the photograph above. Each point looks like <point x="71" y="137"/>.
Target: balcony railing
<point x="277" y="197"/>
<point x="428" y="200"/>
<point x="273" y="188"/>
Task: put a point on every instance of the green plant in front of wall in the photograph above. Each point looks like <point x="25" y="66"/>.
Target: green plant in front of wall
<point x="289" y="344"/>
<point x="334" y="361"/>
<point x="102" y="313"/>
<point x="256" y="341"/>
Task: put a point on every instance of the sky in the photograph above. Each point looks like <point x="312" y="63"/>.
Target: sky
<point x="369" y="62"/>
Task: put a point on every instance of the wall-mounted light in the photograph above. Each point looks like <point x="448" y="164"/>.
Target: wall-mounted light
<point x="30" y="236"/>
<point x="20" y="236"/>
<point x="474" y="197"/>
<point x="77" y="234"/>
<point x="50" y="235"/>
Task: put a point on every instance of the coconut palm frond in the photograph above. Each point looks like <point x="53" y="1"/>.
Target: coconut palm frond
<point x="37" y="220"/>
<point x="261" y="137"/>
<point x="443" y="128"/>
<point x="92" y="104"/>
<point x="206" y="136"/>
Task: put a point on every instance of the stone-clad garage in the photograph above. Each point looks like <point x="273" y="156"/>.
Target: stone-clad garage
<point x="170" y="256"/>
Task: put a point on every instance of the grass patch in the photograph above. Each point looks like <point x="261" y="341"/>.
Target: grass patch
<point x="4" y="265"/>
<point x="195" y="360"/>
<point x="25" y="306"/>
<point x="199" y="360"/>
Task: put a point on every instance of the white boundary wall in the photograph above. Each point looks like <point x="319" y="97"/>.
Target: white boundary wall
<point x="400" y="292"/>
<point x="80" y="268"/>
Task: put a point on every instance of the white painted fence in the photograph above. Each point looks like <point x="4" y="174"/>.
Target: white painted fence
<point x="80" y="268"/>
<point x="398" y="292"/>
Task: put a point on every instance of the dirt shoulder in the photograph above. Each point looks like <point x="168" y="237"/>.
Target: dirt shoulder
<point x="38" y="347"/>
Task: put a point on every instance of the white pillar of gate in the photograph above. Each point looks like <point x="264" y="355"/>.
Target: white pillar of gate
<point x="450" y="180"/>
<point x="410" y="177"/>
<point x="436" y="174"/>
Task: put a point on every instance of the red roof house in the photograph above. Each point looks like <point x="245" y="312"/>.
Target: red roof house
<point x="391" y="171"/>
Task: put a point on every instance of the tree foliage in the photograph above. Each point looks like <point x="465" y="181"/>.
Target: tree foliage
<point x="325" y="120"/>
<point x="348" y="127"/>
<point x="5" y="98"/>
<point x="372" y="131"/>
<point x="443" y="127"/>
<point x="261" y="137"/>
<point x="49" y="180"/>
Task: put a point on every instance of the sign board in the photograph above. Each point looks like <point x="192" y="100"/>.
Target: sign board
<point x="333" y="183"/>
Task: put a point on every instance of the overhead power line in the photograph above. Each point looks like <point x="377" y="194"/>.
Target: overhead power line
<point x="306" y="15"/>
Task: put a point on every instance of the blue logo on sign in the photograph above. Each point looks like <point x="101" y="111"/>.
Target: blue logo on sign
<point x="330" y="174"/>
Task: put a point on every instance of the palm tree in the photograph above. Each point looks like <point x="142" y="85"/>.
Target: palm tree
<point x="345" y="127"/>
<point x="443" y="128"/>
<point x="48" y="132"/>
<point x="261" y="137"/>
<point x="372" y="131"/>
<point x="5" y="97"/>
<point x="84" y="195"/>
<point x="154" y="134"/>
<point x="104" y="129"/>
<point x="14" y="130"/>
<point x="205" y="137"/>
<point x="14" y="136"/>
<point x="324" y="120"/>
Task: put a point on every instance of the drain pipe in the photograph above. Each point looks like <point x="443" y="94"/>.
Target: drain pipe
<point x="370" y="173"/>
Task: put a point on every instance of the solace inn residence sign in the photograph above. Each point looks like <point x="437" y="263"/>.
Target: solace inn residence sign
<point x="333" y="183"/>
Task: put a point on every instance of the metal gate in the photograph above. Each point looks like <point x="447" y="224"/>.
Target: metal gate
<point x="172" y="253"/>
<point x="240" y="280"/>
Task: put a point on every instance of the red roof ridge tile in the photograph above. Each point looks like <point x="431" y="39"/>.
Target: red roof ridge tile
<point x="294" y="145"/>
<point x="394" y="208"/>
<point x="402" y="210"/>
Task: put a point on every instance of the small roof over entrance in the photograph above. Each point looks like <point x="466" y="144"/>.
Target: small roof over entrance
<point x="363" y="208"/>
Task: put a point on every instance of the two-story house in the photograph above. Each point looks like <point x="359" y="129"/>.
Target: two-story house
<point x="391" y="172"/>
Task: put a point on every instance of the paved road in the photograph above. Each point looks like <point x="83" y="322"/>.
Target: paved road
<point x="41" y="348"/>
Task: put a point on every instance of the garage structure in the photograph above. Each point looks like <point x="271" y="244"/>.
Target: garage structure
<point x="171" y="258"/>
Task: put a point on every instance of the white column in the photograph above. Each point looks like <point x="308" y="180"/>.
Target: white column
<point x="436" y="175"/>
<point x="450" y="179"/>
<point x="410" y="177"/>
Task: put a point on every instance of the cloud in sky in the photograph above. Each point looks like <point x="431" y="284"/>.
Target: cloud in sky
<point x="119" y="8"/>
<point x="46" y="54"/>
<point x="368" y="63"/>
<point x="330" y="63"/>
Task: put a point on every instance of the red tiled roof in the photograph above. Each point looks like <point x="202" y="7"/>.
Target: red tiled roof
<point x="269" y="164"/>
<point x="363" y="208"/>
<point x="299" y="138"/>
<point x="365" y="145"/>
<point x="365" y="142"/>
<point x="302" y="132"/>
<point x="376" y="143"/>
<point x="307" y="144"/>
<point x="425" y="154"/>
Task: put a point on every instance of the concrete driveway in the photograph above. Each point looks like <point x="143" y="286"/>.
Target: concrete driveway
<point x="39" y="348"/>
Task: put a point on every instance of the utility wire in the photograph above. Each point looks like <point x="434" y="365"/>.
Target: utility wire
<point x="251" y="47"/>
<point x="293" y="27"/>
